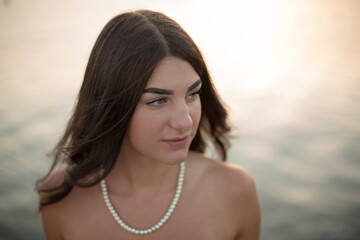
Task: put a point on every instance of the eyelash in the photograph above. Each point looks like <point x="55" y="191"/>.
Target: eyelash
<point x="195" y="94"/>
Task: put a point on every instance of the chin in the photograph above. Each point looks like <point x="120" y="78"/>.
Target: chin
<point x="177" y="158"/>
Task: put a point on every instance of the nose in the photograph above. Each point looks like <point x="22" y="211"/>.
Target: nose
<point x="180" y="118"/>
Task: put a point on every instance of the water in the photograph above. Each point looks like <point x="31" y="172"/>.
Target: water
<point x="289" y="71"/>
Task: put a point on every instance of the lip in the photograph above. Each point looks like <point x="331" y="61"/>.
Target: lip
<point x="177" y="142"/>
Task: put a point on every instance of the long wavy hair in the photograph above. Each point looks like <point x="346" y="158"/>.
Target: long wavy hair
<point x="121" y="62"/>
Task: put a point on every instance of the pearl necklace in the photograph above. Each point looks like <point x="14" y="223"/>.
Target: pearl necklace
<point x="163" y="219"/>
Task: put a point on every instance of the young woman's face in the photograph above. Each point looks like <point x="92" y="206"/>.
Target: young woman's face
<point x="167" y="116"/>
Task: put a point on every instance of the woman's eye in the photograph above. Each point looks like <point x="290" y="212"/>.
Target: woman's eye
<point x="194" y="95"/>
<point x="157" y="102"/>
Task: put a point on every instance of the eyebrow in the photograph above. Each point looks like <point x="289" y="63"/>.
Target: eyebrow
<point x="170" y="92"/>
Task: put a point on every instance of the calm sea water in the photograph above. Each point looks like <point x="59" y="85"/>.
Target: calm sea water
<point x="289" y="71"/>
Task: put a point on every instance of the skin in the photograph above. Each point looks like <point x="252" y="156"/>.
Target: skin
<point x="218" y="200"/>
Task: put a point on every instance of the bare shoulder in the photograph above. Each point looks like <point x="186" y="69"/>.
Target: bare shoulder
<point x="51" y="215"/>
<point x="237" y="193"/>
<point x="231" y="176"/>
<point x="60" y="217"/>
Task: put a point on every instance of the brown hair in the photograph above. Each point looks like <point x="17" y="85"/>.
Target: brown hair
<point x="122" y="60"/>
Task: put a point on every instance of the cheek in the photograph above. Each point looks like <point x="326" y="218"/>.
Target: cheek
<point x="196" y="114"/>
<point x="144" y="124"/>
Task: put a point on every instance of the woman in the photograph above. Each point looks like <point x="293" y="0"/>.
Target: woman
<point x="133" y="149"/>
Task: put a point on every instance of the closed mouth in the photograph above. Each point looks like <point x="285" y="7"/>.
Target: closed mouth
<point x="177" y="139"/>
<point x="177" y="142"/>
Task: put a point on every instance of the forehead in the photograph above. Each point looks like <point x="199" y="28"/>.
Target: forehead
<point x="172" y="72"/>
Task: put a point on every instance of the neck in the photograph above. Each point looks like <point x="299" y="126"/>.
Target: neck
<point x="142" y="176"/>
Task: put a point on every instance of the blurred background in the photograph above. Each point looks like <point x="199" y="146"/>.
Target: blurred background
<point x="289" y="70"/>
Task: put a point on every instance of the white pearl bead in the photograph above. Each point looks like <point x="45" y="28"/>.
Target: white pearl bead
<point x="162" y="221"/>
